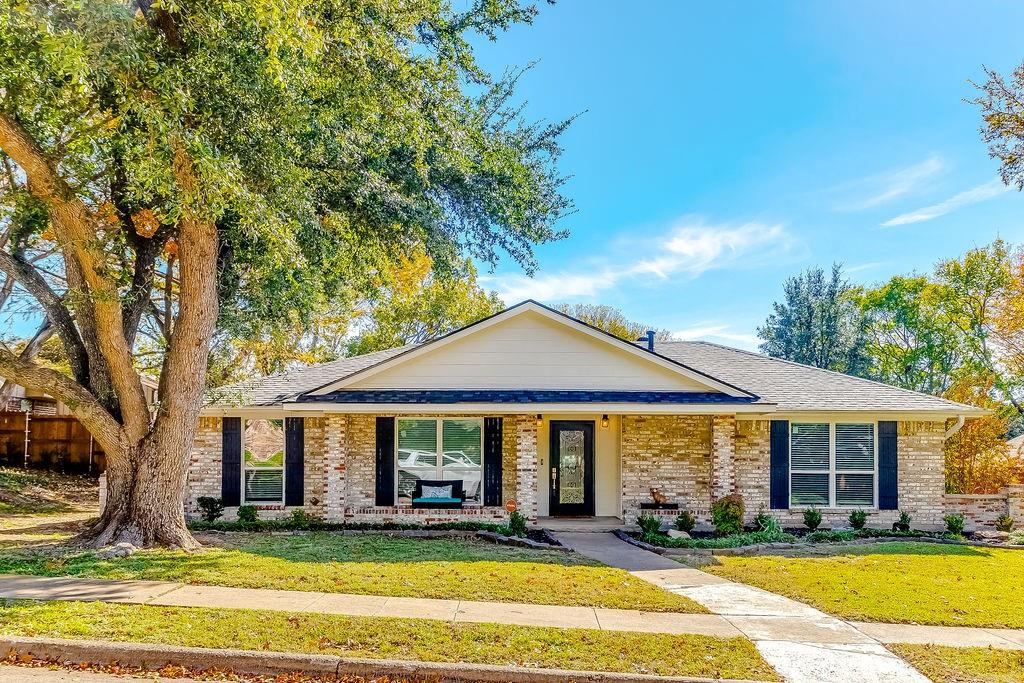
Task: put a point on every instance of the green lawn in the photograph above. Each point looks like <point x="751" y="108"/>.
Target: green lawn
<point x="925" y="583"/>
<point x="375" y="637"/>
<point x="370" y="565"/>
<point x="964" y="664"/>
<point x="36" y="492"/>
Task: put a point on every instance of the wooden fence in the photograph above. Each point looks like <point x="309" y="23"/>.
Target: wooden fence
<point x="60" y="444"/>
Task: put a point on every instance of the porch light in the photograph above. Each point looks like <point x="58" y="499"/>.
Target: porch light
<point x="604" y="422"/>
<point x="540" y="420"/>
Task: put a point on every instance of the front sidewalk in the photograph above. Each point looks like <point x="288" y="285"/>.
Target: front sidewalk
<point x="737" y="618"/>
<point x="26" y="587"/>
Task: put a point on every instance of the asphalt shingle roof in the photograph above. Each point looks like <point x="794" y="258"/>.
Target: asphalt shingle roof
<point x="790" y="386"/>
<point x="448" y="396"/>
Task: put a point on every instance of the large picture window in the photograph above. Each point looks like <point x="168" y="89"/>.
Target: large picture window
<point x="263" y="462"/>
<point x="460" y="442"/>
<point x="832" y="464"/>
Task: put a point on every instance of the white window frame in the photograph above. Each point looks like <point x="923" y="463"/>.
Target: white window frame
<point x="832" y="471"/>
<point x="283" y="469"/>
<point x="439" y="425"/>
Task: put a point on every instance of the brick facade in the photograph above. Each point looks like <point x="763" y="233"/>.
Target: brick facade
<point x="691" y="459"/>
<point x="670" y="453"/>
<point x="340" y="472"/>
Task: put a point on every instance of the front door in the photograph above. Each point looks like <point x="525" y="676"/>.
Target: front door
<point x="572" y="468"/>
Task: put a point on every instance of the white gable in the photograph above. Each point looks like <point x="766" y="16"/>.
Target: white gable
<point x="530" y="348"/>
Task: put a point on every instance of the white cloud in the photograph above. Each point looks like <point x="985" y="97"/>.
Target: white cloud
<point x="710" y="331"/>
<point x="988" y="190"/>
<point x="870" y="265"/>
<point x="688" y="249"/>
<point x="885" y="187"/>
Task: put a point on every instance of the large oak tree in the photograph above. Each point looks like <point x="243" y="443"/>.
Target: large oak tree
<point x="170" y="167"/>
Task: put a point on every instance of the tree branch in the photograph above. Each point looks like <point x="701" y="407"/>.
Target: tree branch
<point x="58" y="315"/>
<point x="76" y="231"/>
<point x="82" y="404"/>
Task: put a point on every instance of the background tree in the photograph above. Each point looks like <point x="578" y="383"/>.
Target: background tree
<point x="414" y="303"/>
<point x="908" y="342"/>
<point x="818" y="323"/>
<point x="612" y="320"/>
<point x="1002" y="109"/>
<point x="168" y="169"/>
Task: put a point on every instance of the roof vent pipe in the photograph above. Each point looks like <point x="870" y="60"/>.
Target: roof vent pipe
<point x="649" y="338"/>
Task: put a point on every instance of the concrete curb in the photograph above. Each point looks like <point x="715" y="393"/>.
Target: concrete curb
<point x="271" y="663"/>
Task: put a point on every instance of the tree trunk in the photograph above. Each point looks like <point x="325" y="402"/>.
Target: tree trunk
<point x="145" y="495"/>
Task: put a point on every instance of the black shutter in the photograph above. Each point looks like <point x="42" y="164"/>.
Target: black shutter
<point x="294" y="452"/>
<point x="780" y="465"/>
<point x="231" y="461"/>
<point x="492" y="460"/>
<point x="385" y="461"/>
<point x="888" y="497"/>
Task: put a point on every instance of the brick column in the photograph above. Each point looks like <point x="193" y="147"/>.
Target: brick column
<point x="1015" y="505"/>
<point x="723" y="451"/>
<point x="526" y="465"/>
<point x="335" y="446"/>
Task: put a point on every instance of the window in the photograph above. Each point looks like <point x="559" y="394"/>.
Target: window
<point x="458" y="440"/>
<point x="263" y="461"/>
<point x="832" y="464"/>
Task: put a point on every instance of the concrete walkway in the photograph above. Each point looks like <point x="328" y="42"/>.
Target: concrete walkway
<point x="803" y="644"/>
<point x="18" y="587"/>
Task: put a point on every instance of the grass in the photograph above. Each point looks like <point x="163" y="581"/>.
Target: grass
<point x="964" y="664"/>
<point x="896" y="582"/>
<point x="730" y="541"/>
<point x="34" y="492"/>
<point x="375" y="637"/>
<point x="371" y="565"/>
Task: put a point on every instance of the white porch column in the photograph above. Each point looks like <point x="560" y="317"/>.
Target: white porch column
<point x="335" y="448"/>
<point x="526" y="465"/>
<point x="723" y="452"/>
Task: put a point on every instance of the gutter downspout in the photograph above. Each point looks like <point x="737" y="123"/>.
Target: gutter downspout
<point x="956" y="426"/>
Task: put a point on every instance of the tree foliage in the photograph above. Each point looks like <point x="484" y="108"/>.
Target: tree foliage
<point x="818" y="323"/>
<point x="169" y="169"/>
<point x="1002" y="109"/>
<point x="412" y="304"/>
<point x="612" y="320"/>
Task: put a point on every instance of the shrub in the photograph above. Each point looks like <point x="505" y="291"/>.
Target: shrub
<point x="770" y="527"/>
<point x="858" y="518"/>
<point x="650" y="526"/>
<point x="211" y="508"/>
<point x="302" y="520"/>
<point x="686" y="521"/>
<point x="903" y="524"/>
<point x="955" y="524"/>
<point x="732" y="541"/>
<point x="248" y="515"/>
<point x="517" y="524"/>
<point x="727" y="514"/>
<point x="1004" y="522"/>
<point x="812" y="518"/>
<point x="762" y="520"/>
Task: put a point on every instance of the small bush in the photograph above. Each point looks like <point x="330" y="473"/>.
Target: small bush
<point x="812" y="518"/>
<point x="1004" y="523"/>
<point x="904" y="523"/>
<point x="1016" y="537"/>
<point x="733" y="541"/>
<point x="955" y="524"/>
<point x="770" y="526"/>
<point x="762" y="519"/>
<point x="650" y="526"/>
<point x="858" y="518"/>
<point x="727" y="514"/>
<point x="517" y="524"/>
<point x="302" y="520"/>
<point x="248" y="515"/>
<point x="686" y="521"/>
<point x="212" y="508"/>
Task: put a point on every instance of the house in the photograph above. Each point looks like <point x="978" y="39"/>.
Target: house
<point x="533" y="410"/>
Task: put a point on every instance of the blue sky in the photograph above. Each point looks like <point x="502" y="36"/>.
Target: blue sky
<point x="727" y="146"/>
